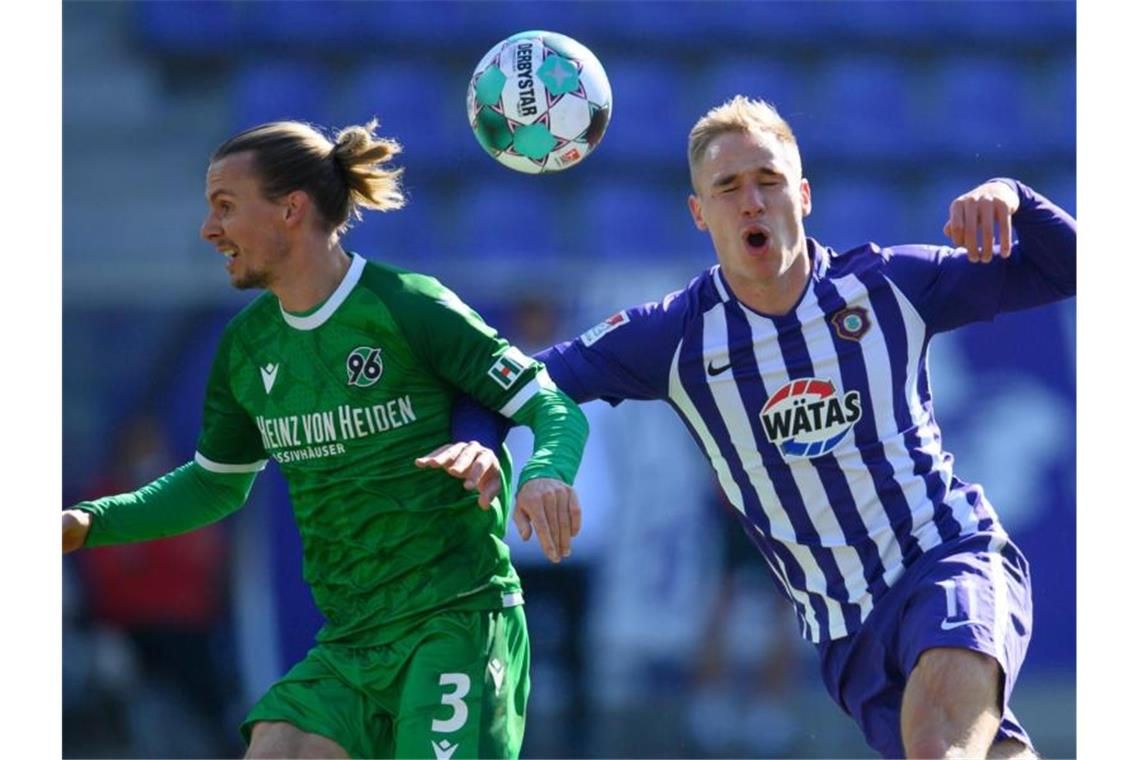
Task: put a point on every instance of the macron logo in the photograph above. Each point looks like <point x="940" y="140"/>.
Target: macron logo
<point x="443" y="750"/>
<point x="269" y="376"/>
<point x="497" y="670"/>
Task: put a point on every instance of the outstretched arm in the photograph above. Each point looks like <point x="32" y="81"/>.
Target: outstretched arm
<point x="180" y="501"/>
<point x="954" y="286"/>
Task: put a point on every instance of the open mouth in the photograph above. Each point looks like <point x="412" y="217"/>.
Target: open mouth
<point x="756" y="237"/>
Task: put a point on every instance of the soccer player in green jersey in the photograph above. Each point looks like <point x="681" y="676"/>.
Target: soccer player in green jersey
<point x="344" y="371"/>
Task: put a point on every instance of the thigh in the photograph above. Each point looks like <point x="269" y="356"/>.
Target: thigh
<point x="276" y="739"/>
<point x="952" y="700"/>
<point x="464" y="691"/>
<point x="317" y="697"/>
<point x="964" y="633"/>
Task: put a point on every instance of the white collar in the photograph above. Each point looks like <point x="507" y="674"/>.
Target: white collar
<point x="321" y="315"/>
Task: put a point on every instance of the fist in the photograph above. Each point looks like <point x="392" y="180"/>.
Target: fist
<point x="76" y="525"/>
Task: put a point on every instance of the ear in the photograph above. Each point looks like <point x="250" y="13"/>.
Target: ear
<point x="695" y="210"/>
<point x="805" y="196"/>
<point x="295" y="207"/>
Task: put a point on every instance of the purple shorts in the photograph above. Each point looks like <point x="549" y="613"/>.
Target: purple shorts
<point x="972" y="593"/>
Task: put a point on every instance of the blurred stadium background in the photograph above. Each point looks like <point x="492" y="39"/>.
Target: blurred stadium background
<point x="663" y="637"/>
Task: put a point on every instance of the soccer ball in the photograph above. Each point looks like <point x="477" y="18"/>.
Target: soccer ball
<point x="539" y="102"/>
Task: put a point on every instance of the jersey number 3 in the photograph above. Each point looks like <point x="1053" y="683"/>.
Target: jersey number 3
<point x="454" y="699"/>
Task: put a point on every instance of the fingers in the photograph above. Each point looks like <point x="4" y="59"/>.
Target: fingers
<point x="522" y="524"/>
<point x="484" y="475"/>
<point x="542" y="529"/>
<point x="575" y="514"/>
<point x="974" y="216"/>
<point x="477" y="465"/>
<point x="462" y="462"/>
<point x="970" y="228"/>
<point x="986" y="210"/>
<point x="956" y="226"/>
<point x="549" y="509"/>
<point x="1005" y="228"/>
<point x="556" y="506"/>
<point x="441" y="457"/>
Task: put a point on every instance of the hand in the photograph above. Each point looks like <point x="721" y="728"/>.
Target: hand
<point x="548" y="508"/>
<point x="76" y="525"/>
<point x="977" y="211"/>
<point x="472" y="462"/>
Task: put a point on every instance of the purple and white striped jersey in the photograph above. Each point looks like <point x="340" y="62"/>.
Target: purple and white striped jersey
<point x="819" y="423"/>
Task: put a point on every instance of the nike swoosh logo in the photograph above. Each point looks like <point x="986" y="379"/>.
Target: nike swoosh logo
<point x="947" y="625"/>
<point x="714" y="371"/>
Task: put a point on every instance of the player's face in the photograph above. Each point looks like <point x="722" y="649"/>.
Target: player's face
<point x="751" y="199"/>
<point x="242" y="223"/>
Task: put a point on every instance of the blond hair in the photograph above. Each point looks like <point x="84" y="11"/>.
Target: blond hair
<point x="741" y="114"/>
<point x="342" y="176"/>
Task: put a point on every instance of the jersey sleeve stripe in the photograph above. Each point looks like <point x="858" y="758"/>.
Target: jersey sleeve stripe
<point x="541" y="382"/>
<point x="225" y="469"/>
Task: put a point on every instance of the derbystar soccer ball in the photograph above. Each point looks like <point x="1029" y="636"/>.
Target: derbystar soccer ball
<point x="539" y="102"/>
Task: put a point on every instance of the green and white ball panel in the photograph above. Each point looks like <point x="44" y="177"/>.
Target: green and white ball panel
<point x="539" y="101"/>
<point x="570" y="117"/>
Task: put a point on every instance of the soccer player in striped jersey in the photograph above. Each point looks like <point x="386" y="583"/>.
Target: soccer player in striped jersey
<point x="802" y="373"/>
<point x="344" y="371"/>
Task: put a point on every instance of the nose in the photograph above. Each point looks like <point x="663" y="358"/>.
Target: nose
<point x="210" y="228"/>
<point x="753" y="201"/>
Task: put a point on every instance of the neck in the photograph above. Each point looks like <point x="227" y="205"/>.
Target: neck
<point x="315" y="273"/>
<point x="776" y="296"/>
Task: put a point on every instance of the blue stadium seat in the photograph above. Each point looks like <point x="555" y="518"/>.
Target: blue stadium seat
<point x="187" y="27"/>
<point x="628" y="218"/>
<point x="506" y="217"/>
<point x="690" y="26"/>
<point x="866" y="110"/>
<point x="651" y="119"/>
<point x="1052" y="106"/>
<point x="1010" y="22"/>
<point x="1061" y="188"/>
<point x="420" y="105"/>
<point x="268" y="90"/>
<point x="311" y="26"/>
<point x="409" y="237"/>
<point x="848" y="211"/>
<point x="931" y="201"/>
<point x="878" y="22"/>
<point x="977" y="107"/>
<point x="768" y="78"/>
<point x="482" y="24"/>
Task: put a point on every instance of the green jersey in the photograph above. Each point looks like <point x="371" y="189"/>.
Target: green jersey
<point x="344" y="398"/>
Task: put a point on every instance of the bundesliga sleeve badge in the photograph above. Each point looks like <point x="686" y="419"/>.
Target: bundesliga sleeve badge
<point x="595" y="333"/>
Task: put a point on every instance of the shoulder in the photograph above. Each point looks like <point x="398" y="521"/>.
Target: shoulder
<point x="655" y="320"/>
<point x="385" y="280"/>
<point x="897" y="261"/>
<point x="255" y="317"/>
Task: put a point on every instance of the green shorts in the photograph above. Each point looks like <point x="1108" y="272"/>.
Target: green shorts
<point x="455" y="687"/>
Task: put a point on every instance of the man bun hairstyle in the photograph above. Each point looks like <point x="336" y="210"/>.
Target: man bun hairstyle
<point x="342" y="176"/>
